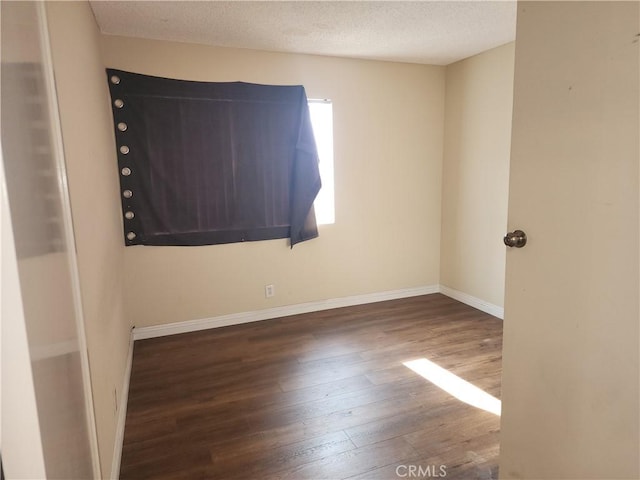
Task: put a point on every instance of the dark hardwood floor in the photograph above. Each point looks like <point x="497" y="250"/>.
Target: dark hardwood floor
<point x="317" y="396"/>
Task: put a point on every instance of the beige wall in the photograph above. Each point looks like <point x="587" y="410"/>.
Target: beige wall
<point x="388" y="133"/>
<point x="570" y="383"/>
<point x="475" y="179"/>
<point x="93" y="185"/>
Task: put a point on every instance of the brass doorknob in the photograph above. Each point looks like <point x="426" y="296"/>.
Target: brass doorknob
<point x="517" y="239"/>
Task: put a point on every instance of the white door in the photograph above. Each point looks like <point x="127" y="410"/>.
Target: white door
<point x="48" y="429"/>
<point x="571" y="330"/>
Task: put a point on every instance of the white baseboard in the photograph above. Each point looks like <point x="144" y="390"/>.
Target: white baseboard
<point x="122" y="414"/>
<point x="140" y="333"/>
<point x="474" y="302"/>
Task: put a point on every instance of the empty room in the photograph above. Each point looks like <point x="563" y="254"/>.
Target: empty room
<point x="320" y="240"/>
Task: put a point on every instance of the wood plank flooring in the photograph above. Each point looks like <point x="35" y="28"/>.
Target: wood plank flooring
<point x="319" y="396"/>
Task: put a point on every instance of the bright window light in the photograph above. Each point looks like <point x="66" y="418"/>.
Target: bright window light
<point x="321" y="112"/>
<point x="454" y="385"/>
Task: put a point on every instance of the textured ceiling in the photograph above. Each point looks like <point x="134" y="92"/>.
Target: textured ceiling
<point x="430" y="32"/>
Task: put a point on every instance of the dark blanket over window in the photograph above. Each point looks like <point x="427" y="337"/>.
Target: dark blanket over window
<point x="205" y="163"/>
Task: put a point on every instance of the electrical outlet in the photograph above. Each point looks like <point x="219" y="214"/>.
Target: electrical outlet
<point x="269" y="291"/>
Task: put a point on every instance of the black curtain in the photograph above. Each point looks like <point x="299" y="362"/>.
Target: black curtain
<point x="206" y="163"/>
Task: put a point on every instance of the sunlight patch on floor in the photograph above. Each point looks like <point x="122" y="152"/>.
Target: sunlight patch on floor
<point x="454" y="385"/>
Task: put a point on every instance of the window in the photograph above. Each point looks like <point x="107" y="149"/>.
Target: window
<point x="205" y="163"/>
<point x="321" y="112"/>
